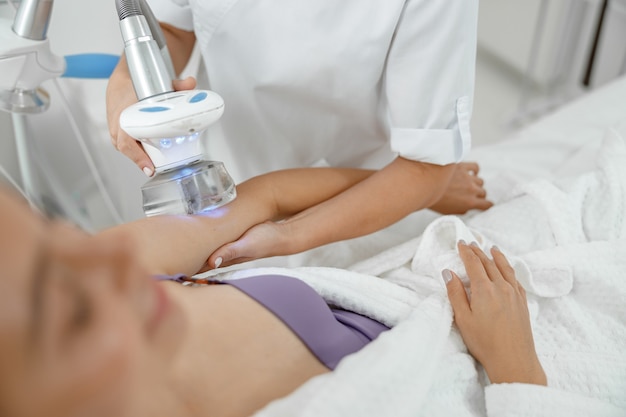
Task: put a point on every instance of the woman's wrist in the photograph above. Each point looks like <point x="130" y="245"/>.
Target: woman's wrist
<point x="293" y="237"/>
<point x="525" y="372"/>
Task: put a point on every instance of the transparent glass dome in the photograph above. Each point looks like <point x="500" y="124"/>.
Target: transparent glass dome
<point x="190" y="189"/>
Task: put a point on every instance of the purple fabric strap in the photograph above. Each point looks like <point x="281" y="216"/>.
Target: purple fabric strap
<point x="330" y="334"/>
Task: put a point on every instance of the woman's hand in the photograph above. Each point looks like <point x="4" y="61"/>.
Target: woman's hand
<point x="464" y="192"/>
<point x="119" y="95"/>
<point x="494" y="320"/>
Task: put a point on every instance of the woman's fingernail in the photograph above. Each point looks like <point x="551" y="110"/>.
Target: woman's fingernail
<point x="462" y="242"/>
<point x="474" y="244"/>
<point x="147" y="171"/>
<point x="218" y="262"/>
<point x="447" y="275"/>
<point x="497" y="249"/>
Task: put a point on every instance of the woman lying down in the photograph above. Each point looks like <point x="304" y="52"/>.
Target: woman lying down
<point x="101" y="325"/>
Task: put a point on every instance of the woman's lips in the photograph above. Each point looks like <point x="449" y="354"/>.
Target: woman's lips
<point x="161" y="307"/>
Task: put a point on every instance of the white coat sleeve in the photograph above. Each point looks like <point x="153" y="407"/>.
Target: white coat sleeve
<point x="429" y="80"/>
<point x="174" y="12"/>
<point x="525" y="400"/>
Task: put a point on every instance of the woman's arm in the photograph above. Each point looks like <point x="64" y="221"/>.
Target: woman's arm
<point x="120" y="94"/>
<point x="181" y="244"/>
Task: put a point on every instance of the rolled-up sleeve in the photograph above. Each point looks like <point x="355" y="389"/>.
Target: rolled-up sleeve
<point x="173" y="12"/>
<point x="429" y="80"/>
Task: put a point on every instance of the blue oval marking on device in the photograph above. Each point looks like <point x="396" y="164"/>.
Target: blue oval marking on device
<point x="153" y="109"/>
<point x="198" y="97"/>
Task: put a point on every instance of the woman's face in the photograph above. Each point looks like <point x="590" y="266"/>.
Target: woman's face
<point x="84" y="331"/>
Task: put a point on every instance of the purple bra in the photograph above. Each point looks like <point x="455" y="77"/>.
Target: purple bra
<point x="329" y="333"/>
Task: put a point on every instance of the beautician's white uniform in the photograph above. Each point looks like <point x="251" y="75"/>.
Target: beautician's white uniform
<point x="350" y="83"/>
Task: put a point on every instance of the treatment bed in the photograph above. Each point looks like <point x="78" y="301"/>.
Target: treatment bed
<point x="559" y="188"/>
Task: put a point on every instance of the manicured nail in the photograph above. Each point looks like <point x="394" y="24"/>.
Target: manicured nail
<point x="148" y="172"/>
<point x="462" y="242"/>
<point x="218" y="262"/>
<point x="497" y="249"/>
<point x="447" y="276"/>
<point x="474" y="244"/>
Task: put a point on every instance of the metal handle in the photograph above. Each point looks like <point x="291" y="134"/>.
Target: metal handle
<point x="32" y="19"/>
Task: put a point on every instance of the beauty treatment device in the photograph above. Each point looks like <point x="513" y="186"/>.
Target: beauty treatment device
<point x="169" y="123"/>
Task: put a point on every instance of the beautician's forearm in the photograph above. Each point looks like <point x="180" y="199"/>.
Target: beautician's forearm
<point x="295" y="190"/>
<point x="180" y="44"/>
<point x="382" y="199"/>
<point x="181" y="244"/>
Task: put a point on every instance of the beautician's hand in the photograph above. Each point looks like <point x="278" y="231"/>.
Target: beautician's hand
<point x="494" y="321"/>
<point x="261" y="241"/>
<point x="464" y="192"/>
<point x="120" y="94"/>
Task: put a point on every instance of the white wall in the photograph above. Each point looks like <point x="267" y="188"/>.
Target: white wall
<point x="611" y="54"/>
<point x="510" y="34"/>
<point x="564" y="29"/>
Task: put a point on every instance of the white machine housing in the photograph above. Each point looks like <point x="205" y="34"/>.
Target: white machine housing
<point x="169" y="125"/>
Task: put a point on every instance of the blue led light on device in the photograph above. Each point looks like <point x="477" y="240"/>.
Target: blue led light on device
<point x="153" y="109"/>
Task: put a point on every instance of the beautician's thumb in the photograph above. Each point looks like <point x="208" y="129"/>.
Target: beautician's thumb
<point x="229" y="254"/>
<point x="188" y="83"/>
<point x="456" y="292"/>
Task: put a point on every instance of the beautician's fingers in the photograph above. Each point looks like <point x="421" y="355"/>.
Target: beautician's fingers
<point x="464" y="192"/>
<point x="232" y="254"/>
<point x="130" y="147"/>
<point x="471" y="167"/>
<point x="481" y="193"/>
<point x="229" y="254"/>
<point x="260" y="241"/>
<point x="489" y="265"/>
<point x="134" y="151"/>
<point x="505" y="268"/>
<point x="120" y="95"/>
<point x="483" y="203"/>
